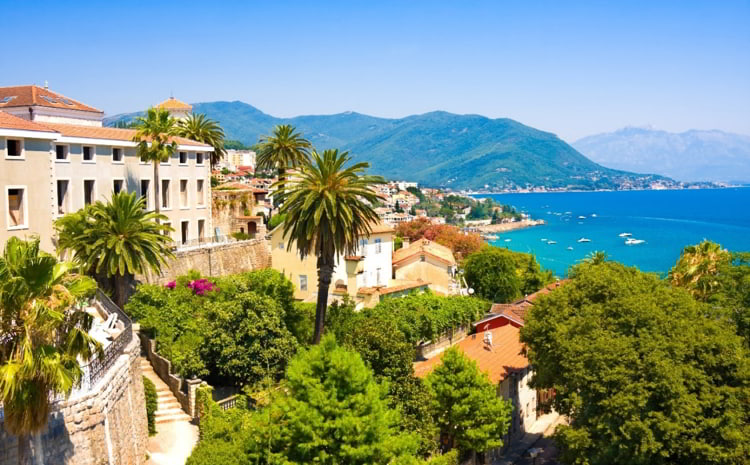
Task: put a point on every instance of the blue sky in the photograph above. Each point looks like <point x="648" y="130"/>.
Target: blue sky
<point x="572" y="68"/>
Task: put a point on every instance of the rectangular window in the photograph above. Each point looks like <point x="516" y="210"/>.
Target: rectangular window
<point x="378" y="245"/>
<point x="117" y="185"/>
<point x="199" y="192"/>
<point x="201" y="229"/>
<point x="165" y="193"/>
<point x="183" y="193"/>
<point x="363" y="244"/>
<point x="281" y="246"/>
<point x="89" y="195"/>
<point x="146" y="191"/>
<point x="61" y="152"/>
<point x="13" y="148"/>
<point x="16" y="207"/>
<point x="199" y="158"/>
<point x="143" y="159"/>
<point x="183" y="158"/>
<point x="63" y="197"/>
<point x="117" y="155"/>
<point x="377" y="276"/>
<point x="302" y="282"/>
<point x="88" y="154"/>
<point x="184" y="228"/>
<point x="421" y="258"/>
<point x="167" y="225"/>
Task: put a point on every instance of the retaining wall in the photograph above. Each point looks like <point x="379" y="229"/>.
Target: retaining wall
<point x="447" y="339"/>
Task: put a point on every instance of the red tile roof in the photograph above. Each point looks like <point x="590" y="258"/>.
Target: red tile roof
<point x="424" y="247"/>
<point x="24" y="96"/>
<point x="506" y="355"/>
<point x="96" y="132"/>
<point x="517" y="310"/>
<point x="173" y="104"/>
<point x="8" y="121"/>
<point x="396" y="286"/>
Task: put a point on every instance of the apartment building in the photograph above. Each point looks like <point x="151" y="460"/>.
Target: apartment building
<point x="55" y="157"/>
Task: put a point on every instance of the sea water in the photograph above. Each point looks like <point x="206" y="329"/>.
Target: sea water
<point x="666" y="221"/>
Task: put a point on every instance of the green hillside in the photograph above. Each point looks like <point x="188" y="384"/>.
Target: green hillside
<point x="436" y="149"/>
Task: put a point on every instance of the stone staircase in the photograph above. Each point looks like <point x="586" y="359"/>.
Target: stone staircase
<point x="169" y="409"/>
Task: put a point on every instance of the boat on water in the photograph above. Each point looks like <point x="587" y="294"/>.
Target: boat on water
<point x="544" y="239"/>
<point x="570" y="248"/>
<point x="625" y="235"/>
<point x="634" y="241"/>
<point x="551" y="242"/>
<point x="507" y="240"/>
<point x="583" y="239"/>
<point x="491" y="237"/>
<point x="593" y="215"/>
<point x="581" y="217"/>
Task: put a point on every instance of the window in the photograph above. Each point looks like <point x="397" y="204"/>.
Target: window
<point x="117" y="155"/>
<point x="201" y="229"/>
<point x="16" y="198"/>
<point x="89" y="195"/>
<point x="281" y="246"/>
<point x="63" y="197"/>
<point x="199" y="158"/>
<point x="61" y="152"/>
<point x="88" y="154"/>
<point x="302" y="282"/>
<point x="184" y="193"/>
<point x="378" y="245"/>
<point x="167" y="227"/>
<point x="363" y="244"/>
<point x="377" y="276"/>
<point x="143" y="159"/>
<point x="146" y="191"/>
<point x="183" y="158"/>
<point x="421" y="258"/>
<point x="199" y="192"/>
<point x="117" y="185"/>
<point x="14" y="148"/>
<point x="184" y="227"/>
<point x="165" y="193"/>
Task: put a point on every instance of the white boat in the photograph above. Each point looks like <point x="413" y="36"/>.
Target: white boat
<point x="544" y="239"/>
<point x="625" y="235"/>
<point x="507" y="240"/>
<point x="570" y="248"/>
<point x="491" y="237"/>
<point x="581" y="217"/>
<point x="583" y="239"/>
<point x="593" y="215"/>
<point x="551" y="242"/>
<point x="633" y="241"/>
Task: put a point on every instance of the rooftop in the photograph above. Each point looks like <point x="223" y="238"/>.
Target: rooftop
<point x="424" y="247"/>
<point x="94" y="132"/>
<point x="397" y="285"/>
<point x="506" y="355"/>
<point x="24" y="96"/>
<point x="173" y="104"/>
<point x="8" y="121"/>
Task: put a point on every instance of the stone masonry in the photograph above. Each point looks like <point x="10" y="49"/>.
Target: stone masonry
<point x="104" y="425"/>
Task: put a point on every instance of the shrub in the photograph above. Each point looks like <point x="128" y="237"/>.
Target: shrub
<point x="151" y="404"/>
<point x="275" y="221"/>
<point x="240" y="236"/>
<point x="450" y="458"/>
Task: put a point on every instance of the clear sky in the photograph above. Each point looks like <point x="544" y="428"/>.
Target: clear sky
<point x="572" y="68"/>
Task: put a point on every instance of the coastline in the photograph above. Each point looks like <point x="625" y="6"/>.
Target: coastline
<point x="506" y="227"/>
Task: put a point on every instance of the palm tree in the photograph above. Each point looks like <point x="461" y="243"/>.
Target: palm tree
<point x="44" y="335"/>
<point x="596" y="257"/>
<point x="155" y="136"/>
<point x="327" y="207"/>
<point x="698" y="267"/>
<point x="119" y="238"/>
<point x="285" y="149"/>
<point x="202" y="129"/>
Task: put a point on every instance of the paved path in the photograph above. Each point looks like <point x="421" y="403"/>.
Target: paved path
<point x="542" y="429"/>
<point x="175" y="436"/>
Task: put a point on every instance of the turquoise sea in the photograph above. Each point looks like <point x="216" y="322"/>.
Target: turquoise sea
<point x="665" y="220"/>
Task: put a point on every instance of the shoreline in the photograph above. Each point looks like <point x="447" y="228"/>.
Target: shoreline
<point x="484" y="193"/>
<point x="507" y="227"/>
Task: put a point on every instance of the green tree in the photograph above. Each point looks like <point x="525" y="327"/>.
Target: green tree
<point x="646" y="373"/>
<point x="491" y="272"/>
<point x="118" y="238"/>
<point x="199" y="128"/>
<point x="697" y="269"/>
<point x="465" y="404"/>
<point x="328" y="208"/>
<point x="44" y="335"/>
<point x="155" y="135"/>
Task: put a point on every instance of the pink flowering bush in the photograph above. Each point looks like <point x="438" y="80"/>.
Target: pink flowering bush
<point x="201" y="286"/>
<point x="171" y="285"/>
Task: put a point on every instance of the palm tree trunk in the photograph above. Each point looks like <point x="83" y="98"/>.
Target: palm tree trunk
<point x="121" y="286"/>
<point x="23" y="440"/>
<point x="157" y="200"/>
<point x="325" y="271"/>
<point x="38" y="449"/>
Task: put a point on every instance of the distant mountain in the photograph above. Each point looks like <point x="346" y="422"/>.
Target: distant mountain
<point x="435" y="149"/>
<point x="688" y="156"/>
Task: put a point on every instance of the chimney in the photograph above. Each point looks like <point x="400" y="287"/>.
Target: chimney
<point x="46" y="85"/>
<point x="405" y="241"/>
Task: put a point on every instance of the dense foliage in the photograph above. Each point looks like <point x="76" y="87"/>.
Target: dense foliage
<point x="646" y="373"/>
<point x="465" y="404"/>
<point x="502" y="275"/>
<point x="231" y="329"/>
<point x="149" y="390"/>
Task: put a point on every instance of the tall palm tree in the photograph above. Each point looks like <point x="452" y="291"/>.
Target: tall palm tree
<point x="119" y="238"/>
<point x="44" y="335"/>
<point x="596" y="257"/>
<point x="328" y="207"/>
<point x="282" y="150"/>
<point x="155" y="136"/>
<point x="698" y="267"/>
<point x="199" y="128"/>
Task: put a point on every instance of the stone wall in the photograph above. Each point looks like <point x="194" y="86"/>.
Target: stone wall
<point x="226" y="206"/>
<point x="428" y="350"/>
<point x="104" y="425"/>
<point x="215" y="260"/>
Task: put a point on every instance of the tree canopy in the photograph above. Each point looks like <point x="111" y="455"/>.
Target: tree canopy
<point x="646" y="373"/>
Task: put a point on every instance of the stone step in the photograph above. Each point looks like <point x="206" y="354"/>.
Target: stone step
<point x="172" y="418"/>
<point x="168" y="411"/>
<point x="166" y="404"/>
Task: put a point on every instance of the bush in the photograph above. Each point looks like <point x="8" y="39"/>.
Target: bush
<point x="451" y="458"/>
<point x="151" y="404"/>
<point x="240" y="236"/>
<point x="275" y="221"/>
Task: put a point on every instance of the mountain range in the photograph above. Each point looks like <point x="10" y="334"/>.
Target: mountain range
<point x="688" y="156"/>
<point x="437" y="149"/>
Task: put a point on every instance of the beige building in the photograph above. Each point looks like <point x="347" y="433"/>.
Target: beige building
<point x="427" y="261"/>
<point x="55" y="157"/>
<point x="365" y="276"/>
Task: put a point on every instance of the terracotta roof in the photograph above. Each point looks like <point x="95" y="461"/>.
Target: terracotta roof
<point x="95" y="132"/>
<point x="173" y="104"/>
<point x="8" y="121"/>
<point x="376" y="228"/>
<point x="24" y="96"/>
<point x="396" y="286"/>
<point x="354" y="258"/>
<point x="506" y="355"/>
<point x="517" y="310"/>
<point x="427" y="247"/>
<point x="249" y="217"/>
